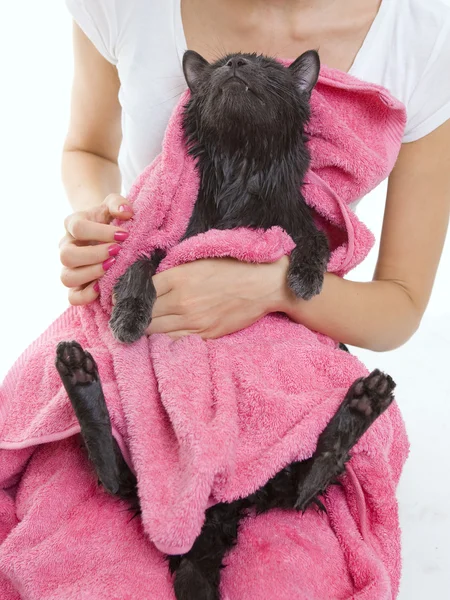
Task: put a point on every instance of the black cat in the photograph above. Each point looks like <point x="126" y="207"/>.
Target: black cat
<point x="244" y="123"/>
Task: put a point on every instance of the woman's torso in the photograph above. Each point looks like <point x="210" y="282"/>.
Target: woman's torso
<point x="398" y="44"/>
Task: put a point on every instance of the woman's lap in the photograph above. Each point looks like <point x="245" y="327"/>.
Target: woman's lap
<point x="288" y="556"/>
<point x="74" y="542"/>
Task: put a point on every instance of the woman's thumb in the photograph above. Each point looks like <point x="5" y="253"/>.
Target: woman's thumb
<point x="118" y="206"/>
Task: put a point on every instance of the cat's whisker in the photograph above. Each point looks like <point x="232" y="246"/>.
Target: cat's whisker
<point x="284" y="93"/>
<point x="275" y="93"/>
<point x="217" y="51"/>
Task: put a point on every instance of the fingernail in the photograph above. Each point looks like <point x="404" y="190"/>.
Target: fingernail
<point x="96" y="287"/>
<point x="114" y="250"/>
<point x="108" y="263"/>
<point x="124" y="208"/>
<point x="121" y="236"/>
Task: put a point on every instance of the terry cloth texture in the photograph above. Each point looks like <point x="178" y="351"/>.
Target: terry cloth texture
<point x="206" y="421"/>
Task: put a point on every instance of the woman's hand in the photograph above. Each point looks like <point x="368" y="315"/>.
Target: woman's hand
<point x="90" y="245"/>
<point x="216" y="296"/>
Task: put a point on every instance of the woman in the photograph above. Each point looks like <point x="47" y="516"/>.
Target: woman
<point x="372" y="41"/>
<point x="135" y="47"/>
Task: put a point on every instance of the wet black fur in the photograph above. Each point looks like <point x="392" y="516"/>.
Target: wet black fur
<point x="252" y="157"/>
<point x="297" y="486"/>
<point x="251" y="153"/>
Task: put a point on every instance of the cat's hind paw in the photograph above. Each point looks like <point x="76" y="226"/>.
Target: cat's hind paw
<point x="74" y="365"/>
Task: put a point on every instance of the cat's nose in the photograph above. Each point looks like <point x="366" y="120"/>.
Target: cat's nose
<point x="236" y="61"/>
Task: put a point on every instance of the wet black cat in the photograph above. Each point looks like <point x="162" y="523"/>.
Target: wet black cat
<point x="244" y="123"/>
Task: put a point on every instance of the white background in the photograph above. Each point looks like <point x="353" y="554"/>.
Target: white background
<point x="36" y="61"/>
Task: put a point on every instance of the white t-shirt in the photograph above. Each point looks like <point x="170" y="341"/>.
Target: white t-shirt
<point x="407" y="50"/>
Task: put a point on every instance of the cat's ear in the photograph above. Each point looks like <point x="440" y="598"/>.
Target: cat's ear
<point x="306" y="70"/>
<point x="193" y="67"/>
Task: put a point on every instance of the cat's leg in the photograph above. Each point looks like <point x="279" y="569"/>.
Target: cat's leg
<point x="135" y="296"/>
<point x="79" y="374"/>
<point x="301" y="483"/>
<point x="365" y="401"/>
<point x="307" y="264"/>
<point x="197" y="573"/>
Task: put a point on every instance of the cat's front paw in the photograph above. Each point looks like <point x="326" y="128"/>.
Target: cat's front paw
<point x="307" y="266"/>
<point x="135" y="296"/>
<point x="131" y="317"/>
<point x="304" y="280"/>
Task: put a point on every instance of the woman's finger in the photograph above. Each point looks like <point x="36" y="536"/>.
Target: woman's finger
<point x="69" y="239"/>
<point x="78" y="296"/>
<point x="81" y="228"/>
<point x="167" y="324"/>
<point x="165" y="305"/>
<point x="73" y="278"/>
<point x="119" y="207"/>
<point x="66" y="239"/>
<point x="73" y="256"/>
<point x="163" y="282"/>
<point x="176" y="335"/>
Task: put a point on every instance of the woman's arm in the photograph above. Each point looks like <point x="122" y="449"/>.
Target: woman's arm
<point x="384" y="313"/>
<point x="216" y="297"/>
<point x="89" y="165"/>
<point x="90" y="173"/>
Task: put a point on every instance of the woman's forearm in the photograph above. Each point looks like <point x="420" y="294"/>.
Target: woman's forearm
<point x="88" y="178"/>
<point x="377" y="315"/>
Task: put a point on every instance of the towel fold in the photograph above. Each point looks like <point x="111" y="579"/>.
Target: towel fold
<point x="206" y="421"/>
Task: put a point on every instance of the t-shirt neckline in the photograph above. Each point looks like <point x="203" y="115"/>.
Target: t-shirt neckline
<point x="370" y="36"/>
<point x="181" y="43"/>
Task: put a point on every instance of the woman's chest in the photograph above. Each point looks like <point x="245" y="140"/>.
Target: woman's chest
<point x="286" y="30"/>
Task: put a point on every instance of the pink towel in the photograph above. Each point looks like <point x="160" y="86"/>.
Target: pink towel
<point x="207" y="421"/>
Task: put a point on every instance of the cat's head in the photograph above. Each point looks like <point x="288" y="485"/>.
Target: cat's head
<point x="249" y="98"/>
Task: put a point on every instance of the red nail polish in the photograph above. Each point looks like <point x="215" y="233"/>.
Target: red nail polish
<point x="121" y="236"/>
<point x="124" y="208"/>
<point x="108" y="263"/>
<point x="96" y="287"/>
<point x="114" y="250"/>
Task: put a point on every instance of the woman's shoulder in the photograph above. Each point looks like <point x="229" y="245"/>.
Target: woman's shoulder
<point x="407" y="51"/>
<point x="427" y="21"/>
<point x="114" y="25"/>
<point x="427" y="7"/>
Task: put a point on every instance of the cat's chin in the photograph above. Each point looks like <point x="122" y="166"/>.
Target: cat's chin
<point x="234" y="84"/>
